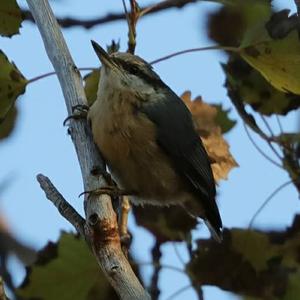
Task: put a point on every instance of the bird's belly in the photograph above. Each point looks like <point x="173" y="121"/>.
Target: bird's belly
<point x="137" y="162"/>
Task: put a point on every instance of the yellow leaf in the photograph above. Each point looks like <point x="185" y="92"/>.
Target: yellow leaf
<point x="277" y="59"/>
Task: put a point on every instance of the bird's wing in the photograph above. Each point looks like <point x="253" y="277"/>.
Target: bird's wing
<point x="178" y="138"/>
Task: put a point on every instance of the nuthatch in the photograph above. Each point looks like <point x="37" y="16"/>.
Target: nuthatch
<point x="147" y="138"/>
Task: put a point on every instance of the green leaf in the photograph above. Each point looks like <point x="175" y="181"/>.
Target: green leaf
<point x="222" y="118"/>
<point x="91" y="81"/>
<point x="66" y="270"/>
<point x="255" y="264"/>
<point x="8" y="124"/>
<point x="273" y="48"/>
<point x="12" y="85"/>
<point x="228" y="24"/>
<point x="289" y="138"/>
<point x="246" y="84"/>
<point x="10" y="17"/>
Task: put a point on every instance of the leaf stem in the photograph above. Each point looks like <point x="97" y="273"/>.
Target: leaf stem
<point x="45" y="75"/>
<point x="215" y="47"/>
<point x="178" y="292"/>
<point x="259" y="150"/>
<point x="269" y="198"/>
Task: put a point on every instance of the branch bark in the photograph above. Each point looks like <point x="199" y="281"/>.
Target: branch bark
<point x="112" y="17"/>
<point x="101" y="224"/>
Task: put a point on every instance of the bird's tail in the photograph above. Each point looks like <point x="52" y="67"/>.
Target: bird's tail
<point x="216" y="233"/>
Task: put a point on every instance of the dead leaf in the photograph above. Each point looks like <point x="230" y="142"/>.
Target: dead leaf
<point x="204" y="117"/>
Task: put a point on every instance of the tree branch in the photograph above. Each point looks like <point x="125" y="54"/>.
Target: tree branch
<point x="112" y="17"/>
<point x="64" y="208"/>
<point x="101" y="223"/>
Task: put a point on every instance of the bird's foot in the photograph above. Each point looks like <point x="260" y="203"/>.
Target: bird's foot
<point x="112" y="191"/>
<point x="78" y="112"/>
<point x="107" y="176"/>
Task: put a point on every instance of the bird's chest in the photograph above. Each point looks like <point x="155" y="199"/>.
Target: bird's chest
<point x="123" y="134"/>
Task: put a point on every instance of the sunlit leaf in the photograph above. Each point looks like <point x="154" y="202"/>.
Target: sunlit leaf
<point x="273" y="48"/>
<point x="10" y="17"/>
<point x="250" y="87"/>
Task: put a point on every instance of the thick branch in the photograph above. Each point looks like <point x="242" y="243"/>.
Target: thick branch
<point x="112" y="17"/>
<point x="101" y="226"/>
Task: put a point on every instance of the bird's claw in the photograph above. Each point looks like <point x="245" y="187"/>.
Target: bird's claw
<point x="112" y="191"/>
<point x="78" y="112"/>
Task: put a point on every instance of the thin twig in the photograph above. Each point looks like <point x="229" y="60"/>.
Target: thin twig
<point x="267" y="125"/>
<point x="126" y="13"/>
<point x="216" y="47"/>
<point x="42" y="76"/>
<point x="259" y="150"/>
<point x="178" y="292"/>
<point x="156" y="256"/>
<point x="112" y="17"/>
<point x="178" y="254"/>
<point x="272" y="137"/>
<point x="269" y="198"/>
<point x="164" y="266"/>
<point x="196" y="286"/>
<point x="279" y="124"/>
<point x="63" y="206"/>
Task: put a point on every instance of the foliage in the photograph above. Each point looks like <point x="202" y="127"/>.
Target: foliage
<point x="58" y="273"/>
<point x="10" y="18"/>
<point x="264" y="265"/>
<point x="12" y="85"/>
<point x="262" y="79"/>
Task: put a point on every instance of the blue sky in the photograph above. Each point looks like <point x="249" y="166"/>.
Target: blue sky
<point x="40" y="143"/>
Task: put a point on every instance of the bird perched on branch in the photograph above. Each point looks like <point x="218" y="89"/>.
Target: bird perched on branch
<point x="147" y="137"/>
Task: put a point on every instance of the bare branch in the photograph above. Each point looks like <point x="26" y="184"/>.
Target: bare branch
<point x="259" y="150"/>
<point x="101" y="223"/>
<point x="64" y="208"/>
<point x="112" y="17"/>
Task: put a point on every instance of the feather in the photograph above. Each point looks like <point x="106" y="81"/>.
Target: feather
<point x="178" y="138"/>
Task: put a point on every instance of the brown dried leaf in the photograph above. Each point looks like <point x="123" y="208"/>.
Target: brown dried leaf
<point x="204" y="117"/>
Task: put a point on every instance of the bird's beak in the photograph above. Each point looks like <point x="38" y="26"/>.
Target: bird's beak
<point x="103" y="55"/>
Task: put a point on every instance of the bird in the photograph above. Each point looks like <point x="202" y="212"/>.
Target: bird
<point x="147" y="138"/>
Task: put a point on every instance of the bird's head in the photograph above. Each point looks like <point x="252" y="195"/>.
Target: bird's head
<point x="124" y="70"/>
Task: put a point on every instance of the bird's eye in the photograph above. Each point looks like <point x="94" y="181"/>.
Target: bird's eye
<point x="134" y="70"/>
